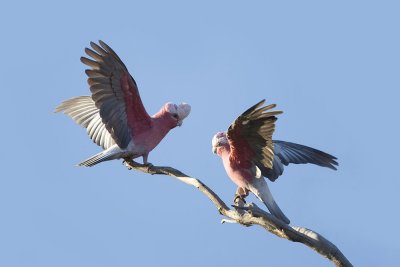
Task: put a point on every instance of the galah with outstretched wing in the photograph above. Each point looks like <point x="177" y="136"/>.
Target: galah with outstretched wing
<point x="249" y="153"/>
<point x="114" y="116"/>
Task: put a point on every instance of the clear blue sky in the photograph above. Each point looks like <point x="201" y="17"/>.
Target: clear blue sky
<point x="332" y="67"/>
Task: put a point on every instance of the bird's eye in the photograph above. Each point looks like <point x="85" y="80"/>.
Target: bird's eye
<point x="175" y="116"/>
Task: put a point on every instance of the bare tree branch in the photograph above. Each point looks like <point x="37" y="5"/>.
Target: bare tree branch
<point x="251" y="214"/>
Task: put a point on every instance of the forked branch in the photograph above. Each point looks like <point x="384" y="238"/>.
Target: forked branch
<point x="253" y="216"/>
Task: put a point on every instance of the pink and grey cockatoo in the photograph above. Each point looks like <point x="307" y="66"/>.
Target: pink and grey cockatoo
<point x="249" y="154"/>
<point x="114" y="116"/>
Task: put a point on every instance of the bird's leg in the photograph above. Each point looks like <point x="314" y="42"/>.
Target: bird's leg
<point x="145" y="162"/>
<point x="240" y="195"/>
<point x="145" y="156"/>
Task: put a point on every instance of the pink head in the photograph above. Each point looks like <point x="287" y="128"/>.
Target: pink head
<point x="218" y="140"/>
<point x="177" y="113"/>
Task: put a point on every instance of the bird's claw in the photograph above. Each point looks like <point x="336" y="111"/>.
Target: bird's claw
<point x="125" y="161"/>
<point x="240" y="202"/>
<point x="239" y="198"/>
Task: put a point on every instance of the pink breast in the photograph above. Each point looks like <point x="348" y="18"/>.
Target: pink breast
<point x="240" y="176"/>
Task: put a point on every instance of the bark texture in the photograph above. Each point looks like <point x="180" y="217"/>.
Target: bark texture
<point x="250" y="214"/>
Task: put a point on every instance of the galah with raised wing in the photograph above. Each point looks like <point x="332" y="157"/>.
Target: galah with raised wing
<point x="114" y="115"/>
<point x="249" y="154"/>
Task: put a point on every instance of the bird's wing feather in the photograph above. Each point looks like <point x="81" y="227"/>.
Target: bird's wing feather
<point x="83" y="111"/>
<point x="250" y="136"/>
<point x="286" y="152"/>
<point x="115" y="94"/>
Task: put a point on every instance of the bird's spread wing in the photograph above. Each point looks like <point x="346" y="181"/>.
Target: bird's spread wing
<point x="286" y="152"/>
<point x="83" y="111"/>
<point x="250" y="137"/>
<point x="115" y="94"/>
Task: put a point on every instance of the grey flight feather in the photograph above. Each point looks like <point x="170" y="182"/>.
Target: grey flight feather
<point x="286" y="152"/>
<point x="104" y="79"/>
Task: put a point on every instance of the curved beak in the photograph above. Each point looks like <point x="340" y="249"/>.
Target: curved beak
<point x="214" y="149"/>
<point x="179" y="123"/>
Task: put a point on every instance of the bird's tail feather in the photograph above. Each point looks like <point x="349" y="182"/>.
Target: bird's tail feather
<point x="113" y="152"/>
<point x="260" y="188"/>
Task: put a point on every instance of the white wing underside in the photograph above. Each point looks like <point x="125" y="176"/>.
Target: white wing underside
<point x="83" y="111"/>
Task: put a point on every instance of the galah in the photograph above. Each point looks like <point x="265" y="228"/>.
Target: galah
<point x="249" y="154"/>
<point x="114" y="115"/>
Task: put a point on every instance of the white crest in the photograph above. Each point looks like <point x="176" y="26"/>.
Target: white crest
<point x="214" y="141"/>
<point x="183" y="110"/>
<point x="219" y="138"/>
<point x="171" y="108"/>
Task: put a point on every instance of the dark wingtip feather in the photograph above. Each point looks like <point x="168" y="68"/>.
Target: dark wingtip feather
<point x="252" y="108"/>
<point x="333" y="163"/>
<point x="98" y="48"/>
<point x="104" y="45"/>
<point x="93" y="54"/>
<point x="90" y="63"/>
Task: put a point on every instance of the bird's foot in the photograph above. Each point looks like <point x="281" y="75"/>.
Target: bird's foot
<point x="148" y="165"/>
<point x="239" y="199"/>
<point x="130" y="163"/>
<point x="240" y="195"/>
<point x="126" y="161"/>
<point x="239" y="202"/>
